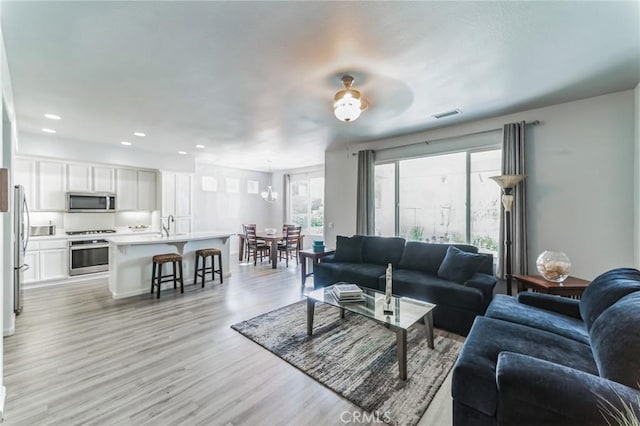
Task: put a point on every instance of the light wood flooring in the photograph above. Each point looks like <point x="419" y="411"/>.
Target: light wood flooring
<point x="80" y="357"/>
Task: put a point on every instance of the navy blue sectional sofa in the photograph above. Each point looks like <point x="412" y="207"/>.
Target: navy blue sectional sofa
<point x="461" y="287"/>
<point x="541" y="359"/>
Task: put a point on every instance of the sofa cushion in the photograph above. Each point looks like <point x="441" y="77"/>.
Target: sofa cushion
<point x="428" y="257"/>
<point x="606" y="290"/>
<point x="430" y="288"/>
<point x="382" y="250"/>
<point x="458" y="266"/>
<point x="348" y="249"/>
<point x="508" y="308"/>
<point x="615" y="341"/>
<point x="362" y="274"/>
<point x="474" y="374"/>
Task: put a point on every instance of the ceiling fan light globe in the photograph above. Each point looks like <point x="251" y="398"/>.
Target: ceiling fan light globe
<point x="348" y="103"/>
<point x="347" y="110"/>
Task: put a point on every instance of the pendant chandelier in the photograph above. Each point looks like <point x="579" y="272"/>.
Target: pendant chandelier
<point x="348" y="104"/>
<point x="270" y="196"/>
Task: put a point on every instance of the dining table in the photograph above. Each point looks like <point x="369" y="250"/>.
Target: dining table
<point x="272" y="240"/>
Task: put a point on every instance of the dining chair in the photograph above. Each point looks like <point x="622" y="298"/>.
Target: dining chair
<point x="290" y="245"/>
<point x="254" y="245"/>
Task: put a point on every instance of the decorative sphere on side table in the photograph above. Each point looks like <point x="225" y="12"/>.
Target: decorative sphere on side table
<point x="553" y="266"/>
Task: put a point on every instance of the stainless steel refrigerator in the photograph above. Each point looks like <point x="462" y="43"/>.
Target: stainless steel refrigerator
<point x="21" y="226"/>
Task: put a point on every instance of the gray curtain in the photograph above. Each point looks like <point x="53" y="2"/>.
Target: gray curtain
<point x="365" y="208"/>
<point x="513" y="151"/>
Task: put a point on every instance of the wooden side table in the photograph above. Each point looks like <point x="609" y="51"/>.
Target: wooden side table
<point x="315" y="258"/>
<point x="571" y="287"/>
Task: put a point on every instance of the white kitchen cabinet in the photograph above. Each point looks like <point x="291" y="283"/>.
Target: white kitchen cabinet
<point x="51" y="186"/>
<point x="182" y="225"/>
<point x="136" y="189"/>
<point x="177" y="198"/>
<point x="183" y="194"/>
<point x="53" y="264"/>
<point x="168" y="194"/>
<point x="177" y="194"/>
<point x="147" y="188"/>
<point x="87" y="178"/>
<point x="47" y="260"/>
<point x="79" y="178"/>
<point x="126" y="189"/>
<point x="31" y="275"/>
<point x="104" y="179"/>
<point x="24" y="173"/>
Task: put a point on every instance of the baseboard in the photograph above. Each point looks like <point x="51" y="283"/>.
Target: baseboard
<point x="3" y="394"/>
<point x="9" y="331"/>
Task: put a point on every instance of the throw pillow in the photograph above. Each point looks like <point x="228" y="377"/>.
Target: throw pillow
<point x="349" y="249"/>
<point x="459" y="266"/>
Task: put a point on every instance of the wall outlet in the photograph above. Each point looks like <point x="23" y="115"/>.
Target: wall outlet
<point x="330" y="225"/>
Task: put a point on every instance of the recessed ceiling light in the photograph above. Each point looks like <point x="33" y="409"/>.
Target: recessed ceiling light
<point x="125" y="143"/>
<point x="48" y="130"/>
<point x="142" y="135"/>
<point x="53" y="116"/>
<point x="200" y="146"/>
<point x="182" y="152"/>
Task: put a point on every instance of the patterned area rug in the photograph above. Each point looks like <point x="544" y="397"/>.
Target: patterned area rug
<point x="356" y="358"/>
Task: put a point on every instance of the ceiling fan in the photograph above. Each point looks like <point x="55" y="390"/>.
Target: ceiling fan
<point x="349" y="103"/>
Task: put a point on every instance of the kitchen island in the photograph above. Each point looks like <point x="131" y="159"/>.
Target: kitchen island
<point x="130" y="258"/>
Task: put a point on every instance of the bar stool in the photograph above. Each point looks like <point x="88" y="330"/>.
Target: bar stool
<point x="157" y="280"/>
<point x="202" y="271"/>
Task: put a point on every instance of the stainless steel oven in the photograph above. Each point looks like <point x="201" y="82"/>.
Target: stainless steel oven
<point x="88" y="256"/>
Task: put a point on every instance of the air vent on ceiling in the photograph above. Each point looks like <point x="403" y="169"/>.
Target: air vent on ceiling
<point x="447" y="114"/>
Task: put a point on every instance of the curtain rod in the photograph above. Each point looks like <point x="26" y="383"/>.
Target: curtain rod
<point x="531" y="123"/>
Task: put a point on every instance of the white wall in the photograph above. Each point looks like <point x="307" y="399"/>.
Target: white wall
<point x="221" y="210"/>
<point x="580" y="166"/>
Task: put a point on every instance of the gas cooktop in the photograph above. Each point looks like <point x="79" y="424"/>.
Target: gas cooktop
<point x="92" y="232"/>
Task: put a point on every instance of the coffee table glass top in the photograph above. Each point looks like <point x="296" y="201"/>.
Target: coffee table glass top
<point x="406" y="311"/>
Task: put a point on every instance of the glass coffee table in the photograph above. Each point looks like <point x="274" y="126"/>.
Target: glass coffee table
<point x="406" y="312"/>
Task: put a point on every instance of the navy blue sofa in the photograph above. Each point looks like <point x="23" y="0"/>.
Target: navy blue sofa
<point x="363" y="260"/>
<point x="541" y="359"/>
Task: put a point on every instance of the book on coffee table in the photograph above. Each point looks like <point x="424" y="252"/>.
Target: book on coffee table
<point x="345" y="292"/>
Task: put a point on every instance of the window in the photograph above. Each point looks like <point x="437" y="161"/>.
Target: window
<point x="440" y="198"/>
<point x="307" y="204"/>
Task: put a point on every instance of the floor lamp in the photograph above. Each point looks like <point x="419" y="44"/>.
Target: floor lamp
<point x="507" y="183"/>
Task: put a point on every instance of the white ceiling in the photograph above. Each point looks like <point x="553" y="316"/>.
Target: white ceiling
<point x="254" y="81"/>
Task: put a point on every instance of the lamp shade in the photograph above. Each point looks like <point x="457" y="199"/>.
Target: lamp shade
<point x="508" y="181"/>
<point x="269" y="195"/>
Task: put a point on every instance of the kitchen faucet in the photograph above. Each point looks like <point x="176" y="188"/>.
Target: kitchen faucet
<point x="167" y="228"/>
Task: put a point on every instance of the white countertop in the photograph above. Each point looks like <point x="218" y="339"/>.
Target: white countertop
<point x="62" y="235"/>
<point x="157" y="238"/>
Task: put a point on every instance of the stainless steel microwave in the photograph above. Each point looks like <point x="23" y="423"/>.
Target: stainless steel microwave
<point x="91" y="202"/>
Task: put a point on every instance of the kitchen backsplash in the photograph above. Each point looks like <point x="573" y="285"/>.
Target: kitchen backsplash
<point x="86" y="221"/>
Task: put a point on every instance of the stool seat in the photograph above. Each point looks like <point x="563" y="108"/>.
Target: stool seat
<point x="208" y="252"/>
<point x="168" y="257"/>
<point x="201" y="270"/>
<point x="156" y="272"/>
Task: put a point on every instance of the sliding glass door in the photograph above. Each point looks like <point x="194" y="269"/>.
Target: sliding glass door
<point x="440" y="198"/>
